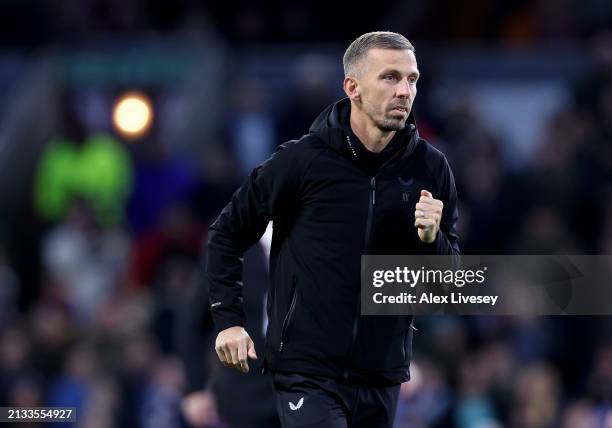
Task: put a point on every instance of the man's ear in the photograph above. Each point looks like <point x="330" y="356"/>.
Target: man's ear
<point x="351" y="88"/>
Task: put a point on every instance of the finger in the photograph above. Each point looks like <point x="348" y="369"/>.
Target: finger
<point x="251" y="350"/>
<point x="227" y="362"/>
<point x="426" y="193"/>
<point x="427" y="208"/>
<point x="432" y="215"/>
<point x="424" y="223"/>
<point x="221" y="354"/>
<point x="234" y="355"/>
<point x="242" y="357"/>
<point x="431" y="201"/>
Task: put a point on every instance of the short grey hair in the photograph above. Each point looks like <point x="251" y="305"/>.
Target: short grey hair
<point x="374" y="40"/>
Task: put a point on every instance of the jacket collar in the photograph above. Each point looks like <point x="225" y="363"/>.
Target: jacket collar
<point x="332" y="126"/>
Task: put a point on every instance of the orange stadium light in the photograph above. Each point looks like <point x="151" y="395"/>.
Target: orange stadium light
<point x="133" y="115"/>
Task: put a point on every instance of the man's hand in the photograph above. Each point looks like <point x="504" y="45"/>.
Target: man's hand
<point x="233" y="345"/>
<point x="427" y="214"/>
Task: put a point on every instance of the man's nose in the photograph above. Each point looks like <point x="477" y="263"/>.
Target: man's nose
<point x="403" y="89"/>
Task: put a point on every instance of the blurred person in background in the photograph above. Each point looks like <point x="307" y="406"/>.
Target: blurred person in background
<point x="177" y="236"/>
<point x="474" y="406"/>
<point x="425" y="400"/>
<point x="537" y="397"/>
<point x="160" y="407"/>
<point x="163" y="181"/>
<point x="580" y="414"/>
<point x="84" y="261"/>
<point x="16" y="373"/>
<point x="95" y="167"/>
<point x="249" y="126"/>
<point x="329" y="365"/>
<point x="314" y="76"/>
<point x="72" y="388"/>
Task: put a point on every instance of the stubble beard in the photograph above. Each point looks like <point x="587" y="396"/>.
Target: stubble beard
<point x="386" y="123"/>
<point x="390" y="124"/>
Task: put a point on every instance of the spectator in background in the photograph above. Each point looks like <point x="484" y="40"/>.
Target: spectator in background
<point x="72" y="387"/>
<point x="101" y="408"/>
<point x="476" y="150"/>
<point x="178" y="235"/>
<point x="425" y="399"/>
<point x="599" y="381"/>
<point x="106" y="177"/>
<point x="537" y="397"/>
<point x="15" y="365"/>
<point x="313" y="75"/>
<point x="84" y="262"/>
<point x="160" y="407"/>
<point x="78" y="163"/>
<point x="98" y="170"/>
<point x="473" y="407"/>
<point x="580" y="414"/>
<point x="220" y="169"/>
<point x="53" y="332"/>
<point x="161" y="180"/>
<point x="250" y="128"/>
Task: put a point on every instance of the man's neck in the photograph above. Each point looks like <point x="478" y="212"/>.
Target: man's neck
<point x="372" y="137"/>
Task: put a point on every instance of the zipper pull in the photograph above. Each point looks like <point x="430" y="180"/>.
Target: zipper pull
<point x="373" y="188"/>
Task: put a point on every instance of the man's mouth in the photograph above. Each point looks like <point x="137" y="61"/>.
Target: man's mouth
<point x="400" y="109"/>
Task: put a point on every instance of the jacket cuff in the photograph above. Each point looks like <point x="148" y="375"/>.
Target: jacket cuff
<point x="224" y="320"/>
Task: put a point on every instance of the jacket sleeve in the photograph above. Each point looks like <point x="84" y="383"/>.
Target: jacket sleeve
<point x="447" y="241"/>
<point x="264" y="195"/>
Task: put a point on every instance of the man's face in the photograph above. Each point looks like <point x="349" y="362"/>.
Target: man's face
<point x="387" y="87"/>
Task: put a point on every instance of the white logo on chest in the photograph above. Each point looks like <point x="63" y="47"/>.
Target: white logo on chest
<point x="296" y="406"/>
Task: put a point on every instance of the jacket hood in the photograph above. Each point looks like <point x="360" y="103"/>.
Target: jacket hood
<point x="332" y="126"/>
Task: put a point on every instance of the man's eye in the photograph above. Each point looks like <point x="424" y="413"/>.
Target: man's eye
<point x="389" y="77"/>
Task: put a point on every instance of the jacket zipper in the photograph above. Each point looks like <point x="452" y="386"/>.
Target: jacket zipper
<point x="370" y="214"/>
<point x="287" y="319"/>
<point x="368" y="238"/>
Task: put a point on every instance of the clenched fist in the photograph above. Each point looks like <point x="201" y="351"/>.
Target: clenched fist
<point x="427" y="215"/>
<point x="233" y="346"/>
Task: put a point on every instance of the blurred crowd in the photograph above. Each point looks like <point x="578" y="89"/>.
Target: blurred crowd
<point x="510" y="21"/>
<point x="108" y="311"/>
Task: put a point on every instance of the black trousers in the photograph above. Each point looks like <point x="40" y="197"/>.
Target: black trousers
<point x="318" y="401"/>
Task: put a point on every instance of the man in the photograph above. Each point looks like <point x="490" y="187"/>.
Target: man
<point x="361" y="182"/>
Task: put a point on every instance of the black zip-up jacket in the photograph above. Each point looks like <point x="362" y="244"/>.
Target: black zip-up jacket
<point x="330" y="202"/>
